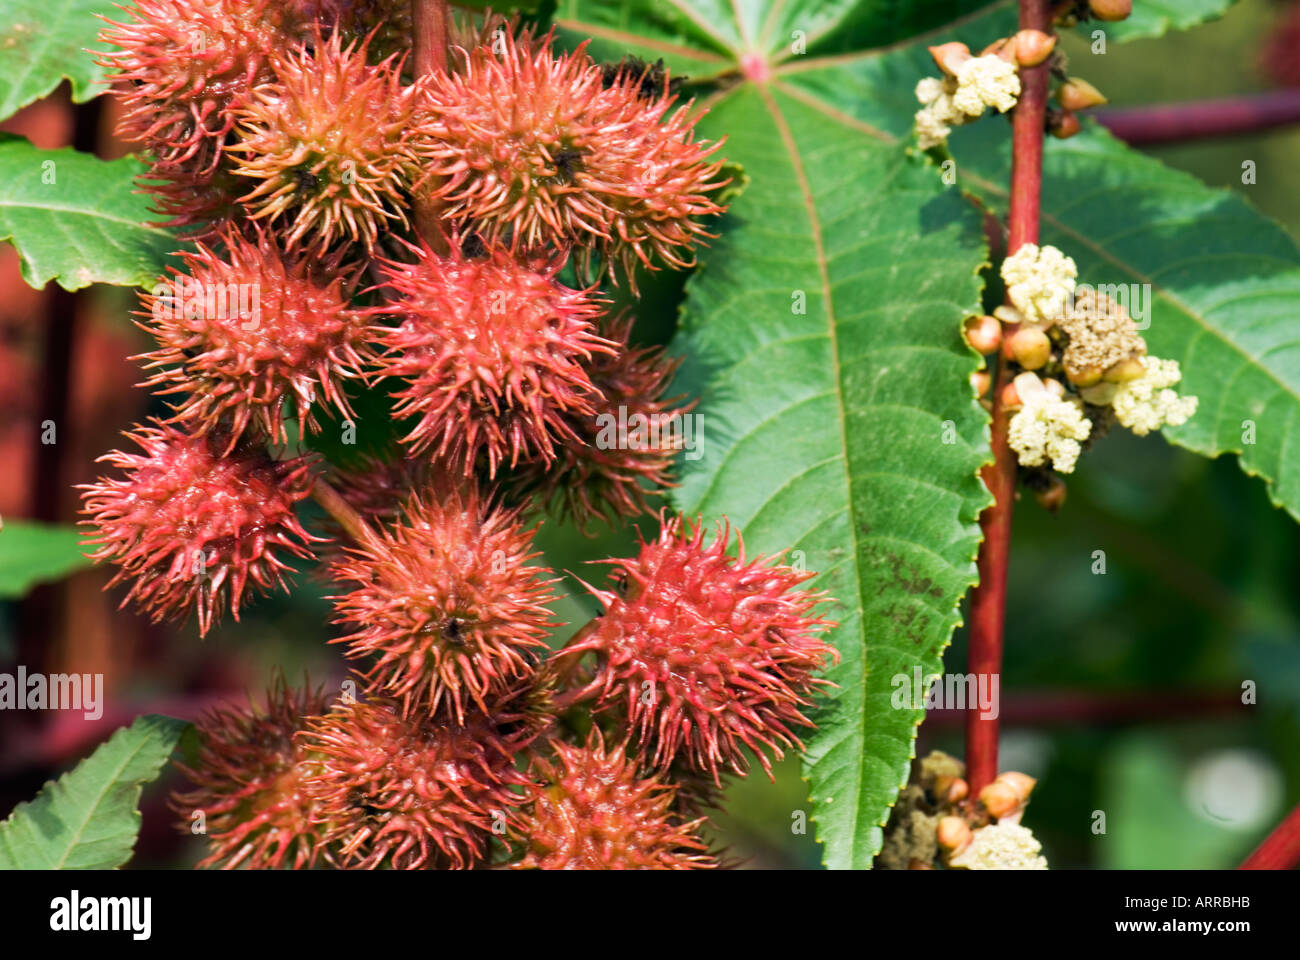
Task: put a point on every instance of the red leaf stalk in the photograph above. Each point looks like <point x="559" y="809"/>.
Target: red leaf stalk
<point x="988" y="603"/>
<point x="1200" y="119"/>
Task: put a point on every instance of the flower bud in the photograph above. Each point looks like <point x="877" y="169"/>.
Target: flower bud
<point x="950" y="56"/>
<point x="1130" y="368"/>
<point x="1021" y="783"/>
<point x="1010" y="398"/>
<point x="1027" y="385"/>
<point x="1033" y="47"/>
<point x="1055" y="388"/>
<point x="1004" y="49"/>
<point x="1031" y="348"/>
<point x="1009" y="315"/>
<point x="953" y="834"/>
<point x="1083" y="376"/>
<point x="1099" y="395"/>
<point x="1052" y="498"/>
<point x="1063" y="124"/>
<point x="949" y="789"/>
<point x="981" y="380"/>
<point x="999" y="799"/>
<point x="983" y="333"/>
<point x="1111" y="10"/>
<point x="1076" y="94"/>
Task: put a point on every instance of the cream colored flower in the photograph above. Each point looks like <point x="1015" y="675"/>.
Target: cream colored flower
<point x="986" y="82"/>
<point x="1046" y="429"/>
<point x="1039" y="282"/>
<point x="931" y="128"/>
<point x="1147" y="403"/>
<point x="928" y="90"/>
<point x="1001" y="846"/>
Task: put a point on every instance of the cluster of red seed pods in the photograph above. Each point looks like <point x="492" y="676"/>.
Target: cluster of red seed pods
<point x="293" y="141"/>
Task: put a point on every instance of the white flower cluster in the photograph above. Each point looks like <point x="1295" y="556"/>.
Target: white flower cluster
<point x="1040" y="282"/>
<point x="986" y="82"/>
<point x="1048" y="428"/>
<point x="1147" y="403"/>
<point x="980" y="82"/>
<point x="1002" y="846"/>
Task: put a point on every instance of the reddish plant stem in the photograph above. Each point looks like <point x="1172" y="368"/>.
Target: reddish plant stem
<point x="1280" y="849"/>
<point x="1175" y="122"/>
<point x="430" y="20"/>
<point x="333" y="503"/>
<point x="988" y="602"/>
<point x="41" y="614"/>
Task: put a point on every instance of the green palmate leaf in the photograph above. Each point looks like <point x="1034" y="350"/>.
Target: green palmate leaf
<point x="822" y="335"/>
<point x="44" y="41"/>
<point x="87" y="819"/>
<point x="32" y="553"/>
<point x="77" y="219"/>
<point x="1153" y="18"/>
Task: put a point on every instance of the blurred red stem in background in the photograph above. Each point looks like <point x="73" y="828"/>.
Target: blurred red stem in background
<point x="1198" y="119"/>
<point x="40" y="613"/>
<point x="1077" y="709"/>
<point x="1280" y="849"/>
<point x="430" y="40"/>
<point x="988" y="602"/>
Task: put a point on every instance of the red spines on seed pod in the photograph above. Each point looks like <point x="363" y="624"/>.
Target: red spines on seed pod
<point x="182" y="64"/>
<point x="195" y="529"/>
<point x="624" y="450"/>
<point x="446" y="602"/>
<point x="415" y="791"/>
<point x="593" y="811"/>
<point x="707" y="654"/>
<point x="492" y="352"/>
<point x="249" y="791"/>
<point x="254" y="336"/>
<point x="543" y="149"/>
<point x="329" y="146"/>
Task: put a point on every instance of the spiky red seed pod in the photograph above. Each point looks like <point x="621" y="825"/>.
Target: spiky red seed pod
<point x="707" y="654"/>
<point x="492" y="350"/>
<point x="546" y="149"/>
<point x="248" y="781"/>
<point x="417" y="791"/>
<point x="330" y="145"/>
<point x="182" y="64"/>
<point x="593" y="811"/>
<point x="253" y="336"/>
<point x="377" y="487"/>
<point x="387" y="23"/>
<point x="625" y="448"/>
<point x="195" y="529"/>
<point x="447" y="602"/>
<point x="198" y="203"/>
